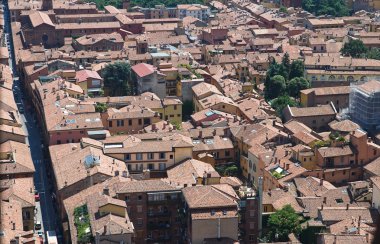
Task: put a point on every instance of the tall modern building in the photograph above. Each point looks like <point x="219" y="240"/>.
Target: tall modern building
<point x="365" y="105"/>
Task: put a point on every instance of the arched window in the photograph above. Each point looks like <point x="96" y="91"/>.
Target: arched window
<point x="350" y="79"/>
<point x="363" y="78"/>
<point x="331" y="77"/>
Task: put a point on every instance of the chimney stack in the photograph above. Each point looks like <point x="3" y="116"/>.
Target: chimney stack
<point x="324" y="200"/>
<point x="321" y="182"/>
<point x="347" y="206"/>
<point x="200" y="134"/>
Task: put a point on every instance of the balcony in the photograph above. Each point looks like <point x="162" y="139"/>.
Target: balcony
<point x="159" y="214"/>
<point x="159" y="238"/>
<point x="156" y="226"/>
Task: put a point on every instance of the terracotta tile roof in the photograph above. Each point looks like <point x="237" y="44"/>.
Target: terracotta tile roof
<point x="130" y="112"/>
<point x="370" y="86"/>
<point x="312" y="111"/>
<point x="83" y="75"/>
<point x="38" y="18"/>
<point x="94" y="38"/>
<point x="72" y="164"/>
<point x="16" y="159"/>
<point x="201" y="197"/>
<point x="156" y="185"/>
<point x="328" y="238"/>
<point x="189" y="171"/>
<point x="143" y="69"/>
<point x="327" y="152"/>
<point x="351" y="226"/>
<point x="212" y="144"/>
<point x="232" y="181"/>
<point x="206" y="214"/>
<point x="278" y="198"/>
<point x="335" y="214"/>
<point x="344" y="125"/>
<point x="311" y="186"/>
<point x="295" y="126"/>
<point x="155" y="143"/>
<point x="326" y="91"/>
<point x="204" y="88"/>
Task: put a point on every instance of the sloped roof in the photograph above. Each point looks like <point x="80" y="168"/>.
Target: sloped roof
<point x="143" y="69"/>
<point x="38" y="18"/>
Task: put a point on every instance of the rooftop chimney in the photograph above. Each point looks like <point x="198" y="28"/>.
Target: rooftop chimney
<point x="321" y="182"/>
<point x="347" y="206"/>
<point x="200" y="134"/>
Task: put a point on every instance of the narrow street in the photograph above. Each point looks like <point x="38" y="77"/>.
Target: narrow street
<point x="46" y="212"/>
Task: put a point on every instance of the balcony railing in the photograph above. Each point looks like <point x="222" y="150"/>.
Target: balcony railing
<point x="155" y="226"/>
<point x="159" y="213"/>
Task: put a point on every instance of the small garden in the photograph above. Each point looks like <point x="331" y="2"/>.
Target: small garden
<point x="82" y="223"/>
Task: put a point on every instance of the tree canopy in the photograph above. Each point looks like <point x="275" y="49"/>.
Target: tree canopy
<point x="297" y="84"/>
<point x="282" y="223"/>
<point x="280" y="103"/>
<point x="335" y="8"/>
<point x="118" y="79"/>
<point x="354" y="48"/>
<point x="275" y="87"/>
<point x="296" y="69"/>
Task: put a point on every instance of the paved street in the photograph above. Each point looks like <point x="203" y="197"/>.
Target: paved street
<point x="45" y="209"/>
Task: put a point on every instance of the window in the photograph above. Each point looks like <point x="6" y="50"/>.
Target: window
<point x="171" y="156"/>
<point x="314" y="121"/>
<point x="175" y="107"/>
<point x="58" y="141"/>
<point x="227" y="153"/>
<point x="162" y="166"/>
<point x="139" y="156"/>
<point x="339" y="200"/>
<point x="178" y="115"/>
<point x="130" y="122"/>
<point x="82" y="132"/>
<point x="139" y="197"/>
<point x="140" y="121"/>
<point x="150" y="155"/>
<point x="151" y="166"/>
<point x="353" y="173"/>
<point x="139" y="222"/>
<point x="351" y="162"/>
<point x="126" y="198"/>
<point x="127" y="157"/>
<point x="254" y="167"/>
<point x="139" y="208"/>
<point x="374" y="152"/>
<point x="119" y="123"/>
<point x="162" y="155"/>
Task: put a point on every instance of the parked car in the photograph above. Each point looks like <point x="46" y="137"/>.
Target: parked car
<point x="37" y="225"/>
<point x="36" y="196"/>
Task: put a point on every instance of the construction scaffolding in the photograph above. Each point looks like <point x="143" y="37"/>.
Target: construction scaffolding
<point x="364" y="107"/>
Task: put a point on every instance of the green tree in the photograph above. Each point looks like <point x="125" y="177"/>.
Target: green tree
<point x="296" y="69"/>
<point x="335" y="8"/>
<point x="118" y="79"/>
<point x="282" y="223"/>
<point x="285" y="66"/>
<point x="283" y="10"/>
<point x="373" y="53"/>
<point x="297" y="84"/>
<point x="275" y="87"/>
<point x="231" y="171"/>
<point x="280" y="103"/>
<point x="354" y="48"/>
<point x="101" y="107"/>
